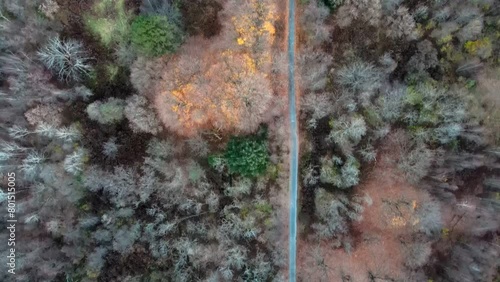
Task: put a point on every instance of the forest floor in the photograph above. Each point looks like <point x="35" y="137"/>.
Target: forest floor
<point x="378" y="238"/>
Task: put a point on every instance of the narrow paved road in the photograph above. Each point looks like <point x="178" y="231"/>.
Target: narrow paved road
<point x="294" y="140"/>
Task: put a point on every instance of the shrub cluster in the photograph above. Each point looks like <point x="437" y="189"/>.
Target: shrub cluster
<point x="245" y="156"/>
<point x="156" y="35"/>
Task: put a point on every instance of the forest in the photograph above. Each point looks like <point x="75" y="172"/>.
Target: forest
<point x="149" y="140"/>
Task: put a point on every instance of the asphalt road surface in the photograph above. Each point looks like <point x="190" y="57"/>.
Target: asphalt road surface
<point x="294" y="142"/>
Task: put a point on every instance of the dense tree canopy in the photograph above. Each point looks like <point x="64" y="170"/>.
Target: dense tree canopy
<point x="156" y="35"/>
<point x="246" y="156"/>
<point x="149" y="140"/>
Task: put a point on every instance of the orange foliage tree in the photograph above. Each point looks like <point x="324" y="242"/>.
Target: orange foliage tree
<point x="223" y="84"/>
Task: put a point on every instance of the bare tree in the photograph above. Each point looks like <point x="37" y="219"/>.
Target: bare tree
<point x="141" y="115"/>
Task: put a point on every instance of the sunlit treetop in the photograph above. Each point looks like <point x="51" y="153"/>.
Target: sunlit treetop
<point x="255" y="25"/>
<point x="222" y="88"/>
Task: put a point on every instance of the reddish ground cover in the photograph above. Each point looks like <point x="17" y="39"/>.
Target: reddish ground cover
<point x="377" y="241"/>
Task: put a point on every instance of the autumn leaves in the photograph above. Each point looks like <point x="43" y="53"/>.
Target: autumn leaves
<point x="221" y="83"/>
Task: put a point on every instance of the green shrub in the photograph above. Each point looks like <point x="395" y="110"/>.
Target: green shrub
<point x="482" y="48"/>
<point x="156" y="35"/>
<point x="372" y="117"/>
<point x="264" y="208"/>
<point x="414" y="97"/>
<point x="434" y="113"/>
<point x="247" y="156"/>
<point x="109" y="21"/>
<point x="341" y="174"/>
<point x="217" y="162"/>
<point x="108" y="112"/>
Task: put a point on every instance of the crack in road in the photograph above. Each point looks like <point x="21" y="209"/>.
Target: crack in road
<point x="294" y="139"/>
